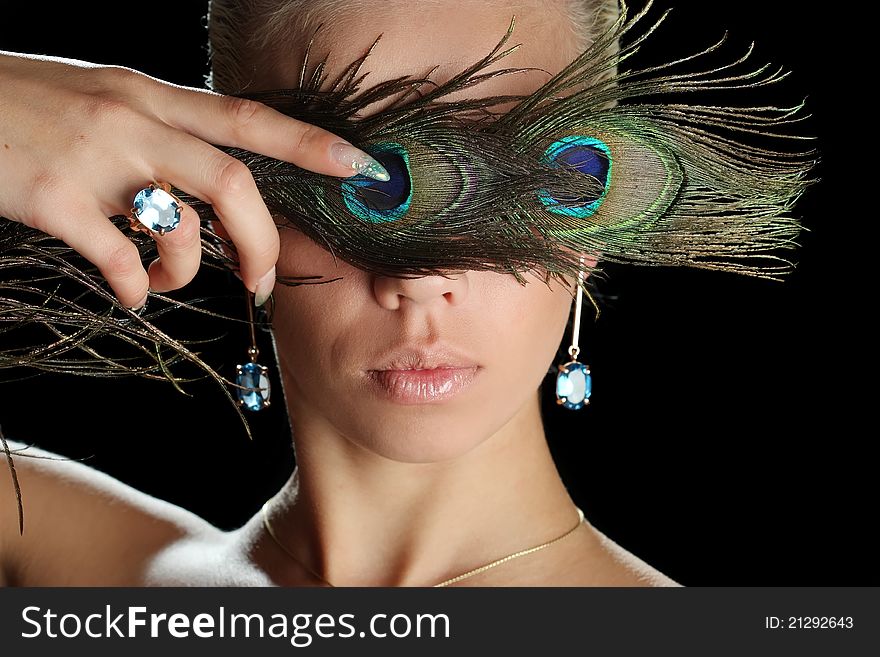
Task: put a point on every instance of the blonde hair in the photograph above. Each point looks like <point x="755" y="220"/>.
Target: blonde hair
<point x="242" y="33"/>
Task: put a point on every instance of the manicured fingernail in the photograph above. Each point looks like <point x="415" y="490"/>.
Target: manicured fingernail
<point x="143" y="303"/>
<point x="358" y="161"/>
<point x="264" y="288"/>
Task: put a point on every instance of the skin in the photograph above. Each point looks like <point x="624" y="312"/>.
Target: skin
<point x="109" y="130"/>
<point x="383" y="494"/>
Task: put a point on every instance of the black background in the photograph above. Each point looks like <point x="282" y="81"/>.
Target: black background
<point x="727" y="442"/>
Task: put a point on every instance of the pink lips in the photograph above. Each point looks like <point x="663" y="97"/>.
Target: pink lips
<point x="423" y="386"/>
<point x="418" y="376"/>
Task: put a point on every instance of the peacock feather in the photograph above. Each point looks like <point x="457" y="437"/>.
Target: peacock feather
<point x="570" y="170"/>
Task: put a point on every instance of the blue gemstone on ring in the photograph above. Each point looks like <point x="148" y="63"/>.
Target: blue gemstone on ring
<point x="574" y="385"/>
<point x="255" y="382"/>
<point x="157" y="210"/>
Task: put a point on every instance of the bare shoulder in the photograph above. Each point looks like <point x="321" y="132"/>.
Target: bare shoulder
<point x="588" y="558"/>
<point x="593" y="559"/>
<point x="613" y="565"/>
<point x="82" y="527"/>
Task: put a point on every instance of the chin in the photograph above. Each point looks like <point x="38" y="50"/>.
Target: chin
<point x="423" y="435"/>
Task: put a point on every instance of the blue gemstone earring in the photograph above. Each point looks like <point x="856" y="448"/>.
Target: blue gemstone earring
<point x="252" y="377"/>
<point x="574" y="384"/>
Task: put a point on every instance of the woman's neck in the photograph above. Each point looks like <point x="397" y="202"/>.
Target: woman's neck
<point x="361" y="519"/>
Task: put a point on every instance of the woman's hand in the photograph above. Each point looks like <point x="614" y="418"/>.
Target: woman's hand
<point x="79" y="140"/>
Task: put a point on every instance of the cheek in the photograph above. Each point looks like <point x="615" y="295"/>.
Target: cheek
<point x="308" y="318"/>
<point x="301" y="256"/>
<point x="528" y="323"/>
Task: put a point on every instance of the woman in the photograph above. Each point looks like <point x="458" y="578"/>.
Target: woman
<point x="421" y="453"/>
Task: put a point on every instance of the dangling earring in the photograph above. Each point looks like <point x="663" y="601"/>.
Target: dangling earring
<point x="574" y="384"/>
<point x="253" y="377"/>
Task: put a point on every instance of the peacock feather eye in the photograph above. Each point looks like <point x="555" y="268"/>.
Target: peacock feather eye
<point x="375" y="201"/>
<point x="587" y="155"/>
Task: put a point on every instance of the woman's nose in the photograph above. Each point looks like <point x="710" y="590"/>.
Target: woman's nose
<point x="392" y="293"/>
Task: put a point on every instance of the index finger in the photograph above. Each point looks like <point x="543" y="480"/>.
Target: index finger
<point x="254" y="126"/>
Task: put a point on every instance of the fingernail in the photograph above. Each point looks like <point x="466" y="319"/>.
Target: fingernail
<point x="358" y="161"/>
<point x="264" y="288"/>
<point x="143" y="303"/>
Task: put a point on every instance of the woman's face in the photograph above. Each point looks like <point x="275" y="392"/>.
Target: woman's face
<point x="368" y="357"/>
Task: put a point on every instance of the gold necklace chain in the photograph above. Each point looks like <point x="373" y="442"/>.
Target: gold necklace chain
<point x="452" y="580"/>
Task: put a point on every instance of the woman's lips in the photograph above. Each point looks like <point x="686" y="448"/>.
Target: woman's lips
<point x="421" y="386"/>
